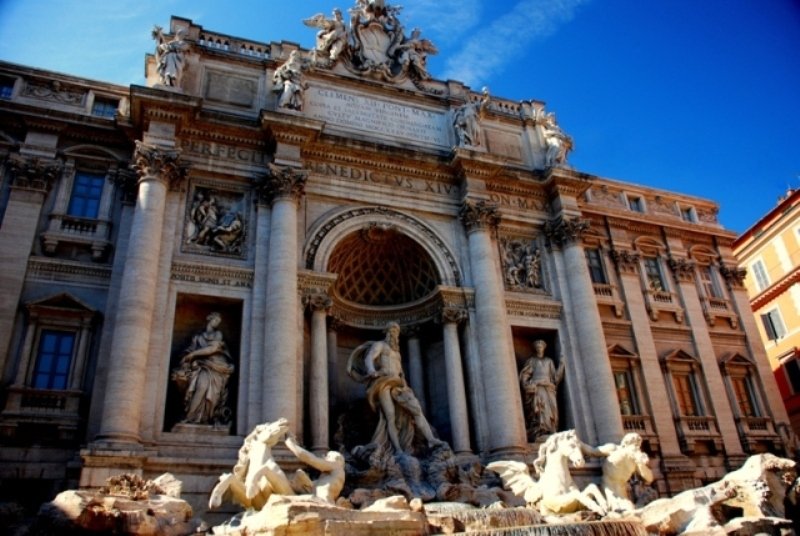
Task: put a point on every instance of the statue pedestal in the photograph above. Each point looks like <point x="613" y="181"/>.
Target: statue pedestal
<point x="202" y="429"/>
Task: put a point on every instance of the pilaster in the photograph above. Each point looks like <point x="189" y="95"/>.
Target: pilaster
<point x="31" y="180"/>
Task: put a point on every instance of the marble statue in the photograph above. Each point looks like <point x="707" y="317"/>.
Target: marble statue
<point x="288" y="80"/>
<point x="539" y="379"/>
<point x="203" y="375"/>
<point x="557" y="143"/>
<point x="331" y="470"/>
<point x="413" y="55"/>
<point x="331" y="37"/>
<point x="621" y="463"/>
<point x="378" y="365"/>
<point x="257" y="476"/>
<point x="170" y="57"/>
<point x="466" y="121"/>
<point x="555" y="492"/>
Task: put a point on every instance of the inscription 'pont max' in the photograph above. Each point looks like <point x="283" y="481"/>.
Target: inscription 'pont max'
<point x="382" y="117"/>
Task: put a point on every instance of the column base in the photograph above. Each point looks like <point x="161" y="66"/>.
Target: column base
<point x="100" y="462"/>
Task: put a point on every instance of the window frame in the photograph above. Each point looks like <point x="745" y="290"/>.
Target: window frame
<point x="636" y="203"/>
<point x="760" y="275"/>
<point x="599" y="267"/>
<point x="774" y="331"/>
<point x="51" y="373"/>
<point x="95" y="187"/>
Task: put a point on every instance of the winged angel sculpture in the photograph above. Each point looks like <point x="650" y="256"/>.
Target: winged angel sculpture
<point x="374" y="45"/>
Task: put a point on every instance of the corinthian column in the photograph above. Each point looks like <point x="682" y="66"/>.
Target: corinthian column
<point x="157" y="168"/>
<point x="498" y="366"/>
<point x="565" y="234"/>
<point x="320" y="304"/>
<point x="456" y="393"/>
<point x="283" y="189"/>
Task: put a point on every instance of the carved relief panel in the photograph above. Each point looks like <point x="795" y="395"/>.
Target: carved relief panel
<point x="216" y="222"/>
<point x="522" y="264"/>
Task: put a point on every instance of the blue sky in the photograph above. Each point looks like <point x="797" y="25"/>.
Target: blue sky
<point x="696" y="96"/>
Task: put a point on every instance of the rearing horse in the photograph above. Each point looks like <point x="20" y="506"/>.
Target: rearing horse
<point x="560" y="495"/>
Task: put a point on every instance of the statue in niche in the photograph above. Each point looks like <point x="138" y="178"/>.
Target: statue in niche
<point x="557" y="143"/>
<point x="522" y="264"/>
<point x="203" y="374"/>
<point x="215" y="224"/>
<point x="289" y="81"/>
<point x="331" y="38"/>
<point x="466" y="121"/>
<point x="539" y="379"/>
<point x="401" y="421"/>
<point x="170" y="57"/>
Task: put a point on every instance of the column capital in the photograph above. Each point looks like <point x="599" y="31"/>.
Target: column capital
<point x="563" y="231"/>
<point x="479" y="214"/>
<point x="32" y="173"/>
<point x="317" y="300"/>
<point x="412" y="332"/>
<point x="283" y="182"/>
<point x="733" y="275"/>
<point x="682" y="269"/>
<point x="152" y="162"/>
<point x="625" y="261"/>
<point x="453" y="315"/>
<point x="126" y="181"/>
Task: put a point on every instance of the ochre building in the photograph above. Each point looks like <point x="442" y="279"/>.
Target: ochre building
<point x="770" y="252"/>
<point x="183" y="260"/>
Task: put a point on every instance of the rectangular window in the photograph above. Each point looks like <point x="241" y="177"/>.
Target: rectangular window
<point x="6" y="88"/>
<point x="594" y="261"/>
<point x="745" y="396"/>
<point x="655" y="279"/>
<point x="792" y="368"/>
<point x="635" y="203"/>
<point x="773" y="325"/>
<point x="687" y="395"/>
<point x="626" y="393"/>
<point x="687" y="214"/>
<point x="86" y="192"/>
<point x="710" y="284"/>
<point x="105" y="108"/>
<point x="760" y="273"/>
<point x="53" y="359"/>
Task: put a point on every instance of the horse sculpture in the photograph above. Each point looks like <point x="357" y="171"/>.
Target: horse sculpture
<point x="560" y="495"/>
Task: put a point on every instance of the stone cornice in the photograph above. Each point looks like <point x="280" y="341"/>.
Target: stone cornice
<point x="283" y="182"/>
<point x="563" y="231"/>
<point x="774" y="290"/>
<point x="32" y="173"/>
<point x="290" y="129"/>
<point x="152" y="162"/>
<point x="561" y="181"/>
<point x="479" y="215"/>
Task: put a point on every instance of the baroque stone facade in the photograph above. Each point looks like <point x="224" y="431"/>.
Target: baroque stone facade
<point x="296" y="226"/>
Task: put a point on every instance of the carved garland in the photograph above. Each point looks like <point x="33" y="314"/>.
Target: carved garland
<point x="625" y="261"/>
<point x="384" y="213"/>
<point x="682" y="269"/>
<point x="734" y="276"/>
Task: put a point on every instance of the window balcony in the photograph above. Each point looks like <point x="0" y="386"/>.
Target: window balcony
<point x="692" y="430"/>
<point x="714" y="308"/>
<point x="658" y="301"/>
<point x="608" y="295"/>
<point x="65" y="229"/>
<point x="25" y="406"/>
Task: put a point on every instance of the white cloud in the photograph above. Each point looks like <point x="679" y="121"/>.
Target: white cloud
<point x="489" y="50"/>
<point x="443" y="21"/>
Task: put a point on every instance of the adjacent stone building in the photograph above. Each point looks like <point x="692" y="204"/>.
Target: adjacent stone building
<point x="184" y="260"/>
<point x="770" y="252"/>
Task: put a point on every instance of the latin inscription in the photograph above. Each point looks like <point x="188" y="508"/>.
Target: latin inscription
<point x="376" y="177"/>
<point x="376" y="116"/>
<point x="226" y="152"/>
<point x="515" y="201"/>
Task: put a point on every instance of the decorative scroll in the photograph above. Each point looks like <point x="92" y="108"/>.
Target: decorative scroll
<point x="563" y="231"/>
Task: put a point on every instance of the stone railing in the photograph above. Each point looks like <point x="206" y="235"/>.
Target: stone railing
<point x="608" y="295"/>
<point x="229" y="44"/>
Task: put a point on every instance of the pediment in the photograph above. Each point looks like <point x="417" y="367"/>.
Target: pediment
<point x="617" y="350"/>
<point x="735" y="358"/>
<point x="63" y="301"/>
<point x="679" y="355"/>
